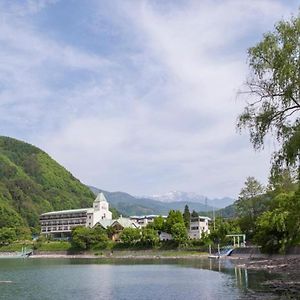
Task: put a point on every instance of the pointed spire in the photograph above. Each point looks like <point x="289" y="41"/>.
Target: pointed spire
<point x="100" y="198"/>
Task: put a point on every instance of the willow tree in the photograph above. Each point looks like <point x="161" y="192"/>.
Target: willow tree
<point x="273" y="87"/>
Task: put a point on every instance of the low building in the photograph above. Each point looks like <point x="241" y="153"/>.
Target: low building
<point x="164" y="236"/>
<point x="199" y="226"/>
<point x="117" y="226"/>
<point x="143" y="221"/>
<point x="60" y="223"/>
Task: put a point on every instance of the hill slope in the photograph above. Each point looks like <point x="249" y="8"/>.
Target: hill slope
<point x="31" y="183"/>
<point x="129" y="205"/>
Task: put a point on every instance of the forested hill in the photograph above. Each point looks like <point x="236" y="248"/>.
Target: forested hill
<point x="31" y="183"/>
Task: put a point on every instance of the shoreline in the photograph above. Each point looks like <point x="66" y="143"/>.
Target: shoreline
<point x="122" y="256"/>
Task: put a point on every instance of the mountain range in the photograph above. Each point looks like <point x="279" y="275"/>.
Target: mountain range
<point x="129" y="205"/>
<point x="179" y="196"/>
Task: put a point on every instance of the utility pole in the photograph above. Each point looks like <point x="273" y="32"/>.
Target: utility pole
<point x="214" y="216"/>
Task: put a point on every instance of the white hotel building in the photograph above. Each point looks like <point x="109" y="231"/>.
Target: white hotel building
<point x="60" y="223"/>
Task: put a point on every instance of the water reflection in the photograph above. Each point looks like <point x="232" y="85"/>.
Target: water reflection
<point x="241" y="276"/>
<point x="127" y="279"/>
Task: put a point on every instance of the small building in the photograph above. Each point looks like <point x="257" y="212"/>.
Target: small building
<point x="164" y="236"/>
<point x="143" y="221"/>
<point x="199" y="226"/>
<point x="117" y="226"/>
<point x="60" y="223"/>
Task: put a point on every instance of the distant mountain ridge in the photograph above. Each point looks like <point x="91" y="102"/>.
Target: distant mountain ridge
<point x="179" y="196"/>
<point x="130" y="205"/>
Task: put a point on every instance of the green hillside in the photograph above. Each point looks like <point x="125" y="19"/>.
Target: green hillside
<point x="31" y="183"/>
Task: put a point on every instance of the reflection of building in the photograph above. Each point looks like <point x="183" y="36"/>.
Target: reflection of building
<point x="145" y="220"/>
<point x="198" y="226"/>
<point x="60" y="223"/>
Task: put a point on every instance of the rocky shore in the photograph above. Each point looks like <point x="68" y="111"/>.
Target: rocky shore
<point x="287" y="268"/>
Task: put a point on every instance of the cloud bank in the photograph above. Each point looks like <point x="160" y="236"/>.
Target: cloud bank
<point x="135" y="96"/>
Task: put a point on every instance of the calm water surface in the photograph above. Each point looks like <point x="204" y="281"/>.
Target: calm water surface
<point x="72" y="279"/>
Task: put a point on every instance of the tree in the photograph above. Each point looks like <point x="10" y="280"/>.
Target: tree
<point x="130" y="236"/>
<point x="282" y="181"/>
<point x="174" y="217"/>
<point x="85" y="238"/>
<point x="251" y="203"/>
<point x="252" y="189"/>
<point x="274" y="88"/>
<point x="158" y="223"/>
<point x="222" y="228"/>
<point x="82" y="238"/>
<point x="149" y="237"/>
<point x="186" y="217"/>
<point x="194" y="214"/>
<point x="179" y="233"/>
<point x="7" y="235"/>
<point x="278" y="228"/>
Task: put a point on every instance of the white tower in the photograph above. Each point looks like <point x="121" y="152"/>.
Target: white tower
<point x="101" y="209"/>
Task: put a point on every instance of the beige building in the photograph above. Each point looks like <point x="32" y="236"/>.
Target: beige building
<point x="198" y="227"/>
<point x="60" y="223"/>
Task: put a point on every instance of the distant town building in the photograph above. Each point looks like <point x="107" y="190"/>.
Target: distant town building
<point x="199" y="226"/>
<point x="143" y="221"/>
<point x="60" y="223"/>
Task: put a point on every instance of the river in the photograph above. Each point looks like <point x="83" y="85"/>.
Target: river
<point x="72" y="279"/>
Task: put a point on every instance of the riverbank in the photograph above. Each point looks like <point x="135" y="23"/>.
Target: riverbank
<point x="123" y="254"/>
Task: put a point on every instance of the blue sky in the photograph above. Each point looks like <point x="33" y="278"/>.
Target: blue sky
<point x="137" y="96"/>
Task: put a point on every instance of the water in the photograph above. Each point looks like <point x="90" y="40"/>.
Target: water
<point x="72" y="279"/>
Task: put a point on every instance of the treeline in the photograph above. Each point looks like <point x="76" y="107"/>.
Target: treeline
<point x="269" y="216"/>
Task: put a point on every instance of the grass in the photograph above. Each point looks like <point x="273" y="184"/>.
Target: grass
<point x="16" y="247"/>
<point x="52" y="246"/>
<point x="155" y="253"/>
<point x="55" y="246"/>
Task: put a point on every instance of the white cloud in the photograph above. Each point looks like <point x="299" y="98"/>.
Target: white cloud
<point x="160" y="116"/>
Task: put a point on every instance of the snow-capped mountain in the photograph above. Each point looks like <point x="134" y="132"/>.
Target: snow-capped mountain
<point x="179" y="196"/>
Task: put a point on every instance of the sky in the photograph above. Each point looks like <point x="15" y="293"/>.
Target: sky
<point x="136" y="96"/>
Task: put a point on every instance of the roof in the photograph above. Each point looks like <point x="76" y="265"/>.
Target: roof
<point x="104" y="223"/>
<point x="100" y="198"/>
<point x="69" y="211"/>
<point x="125" y="223"/>
<point x="201" y="217"/>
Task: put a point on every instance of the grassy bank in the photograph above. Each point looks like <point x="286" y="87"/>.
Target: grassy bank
<point x="111" y="249"/>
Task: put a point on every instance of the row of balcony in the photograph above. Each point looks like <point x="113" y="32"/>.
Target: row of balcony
<point x="58" y="229"/>
<point x="54" y="223"/>
<point x="62" y="216"/>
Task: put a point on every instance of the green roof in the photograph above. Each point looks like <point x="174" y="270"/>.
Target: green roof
<point x="104" y="223"/>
